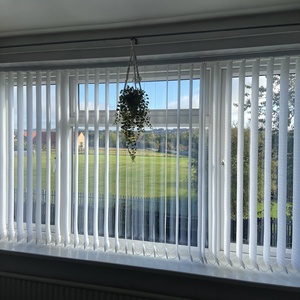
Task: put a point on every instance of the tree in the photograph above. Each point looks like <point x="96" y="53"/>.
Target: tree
<point x="261" y="138"/>
<point x="112" y="139"/>
<point x="150" y="140"/>
<point x="275" y="103"/>
<point x="261" y="141"/>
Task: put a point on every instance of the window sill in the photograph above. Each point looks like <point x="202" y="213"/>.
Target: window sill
<point x="160" y="276"/>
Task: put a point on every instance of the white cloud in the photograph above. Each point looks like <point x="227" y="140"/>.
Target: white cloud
<point x="185" y="102"/>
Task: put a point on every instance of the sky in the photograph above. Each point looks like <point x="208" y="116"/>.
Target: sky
<point x="157" y="93"/>
<point x="159" y="97"/>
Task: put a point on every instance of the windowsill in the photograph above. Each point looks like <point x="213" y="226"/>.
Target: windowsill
<point x="108" y="269"/>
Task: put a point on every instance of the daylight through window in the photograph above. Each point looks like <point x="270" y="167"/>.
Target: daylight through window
<point x="212" y="182"/>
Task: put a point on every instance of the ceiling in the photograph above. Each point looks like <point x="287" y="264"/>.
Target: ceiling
<point x="43" y="16"/>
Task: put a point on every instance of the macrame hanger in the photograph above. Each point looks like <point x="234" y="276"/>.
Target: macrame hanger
<point x="133" y="62"/>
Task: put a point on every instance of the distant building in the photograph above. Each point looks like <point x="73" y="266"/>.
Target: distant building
<point x="26" y="134"/>
<point x="44" y="139"/>
<point x="81" y="141"/>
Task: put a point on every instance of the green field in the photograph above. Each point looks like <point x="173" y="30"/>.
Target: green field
<point x="144" y="177"/>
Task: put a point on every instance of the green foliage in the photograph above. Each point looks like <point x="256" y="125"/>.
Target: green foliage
<point x="261" y="152"/>
<point x="275" y="137"/>
<point x="246" y="172"/>
<point x="275" y="102"/>
<point x="133" y="115"/>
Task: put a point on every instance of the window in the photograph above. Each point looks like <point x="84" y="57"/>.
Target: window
<point x="213" y="180"/>
<point x="152" y="196"/>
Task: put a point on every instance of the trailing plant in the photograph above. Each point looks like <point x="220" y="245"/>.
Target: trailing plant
<point x="133" y="116"/>
<point x="132" y="111"/>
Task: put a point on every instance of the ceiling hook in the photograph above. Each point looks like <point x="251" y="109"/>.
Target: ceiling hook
<point x="134" y="41"/>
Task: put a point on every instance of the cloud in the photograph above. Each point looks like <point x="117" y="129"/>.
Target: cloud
<point x="185" y="102"/>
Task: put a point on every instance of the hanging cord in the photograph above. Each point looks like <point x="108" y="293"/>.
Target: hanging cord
<point x="133" y="62"/>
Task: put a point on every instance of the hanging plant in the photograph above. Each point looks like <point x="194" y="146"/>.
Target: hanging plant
<point x="132" y="111"/>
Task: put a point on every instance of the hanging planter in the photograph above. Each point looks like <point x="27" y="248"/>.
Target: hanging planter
<point x="132" y="111"/>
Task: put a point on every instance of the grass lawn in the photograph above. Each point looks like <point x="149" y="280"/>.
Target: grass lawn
<point x="144" y="177"/>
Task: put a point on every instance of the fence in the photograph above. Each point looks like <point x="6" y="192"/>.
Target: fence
<point x="260" y="232"/>
<point x="151" y="219"/>
<point x="142" y="219"/>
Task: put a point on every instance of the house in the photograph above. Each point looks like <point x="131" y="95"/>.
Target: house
<point x="76" y="36"/>
<point x="81" y="141"/>
<point x="33" y="135"/>
<point x="44" y="139"/>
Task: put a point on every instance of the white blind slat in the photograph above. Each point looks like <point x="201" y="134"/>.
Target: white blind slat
<point x="38" y="213"/>
<point x="86" y="159"/>
<point x="58" y="159"/>
<point x="117" y="244"/>
<point x="253" y="163"/>
<point x="48" y="158"/>
<point x="165" y="162"/>
<point x="214" y="150"/>
<point x="296" y="174"/>
<point x="152" y="203"/>
<point x="10" y="149"/>
<point x="268" y="162"/>
<point x="227" y="157"/>
<point x="3" y="230"/>
<point x="240" y="164"/>
<point x="66" y="157"/>
<point x="190" y="161"/>
<point x="106" y="179"/>
<point x="177" y="159"/>
<point x="20" y="159"/>
<point x="76" y="158"/>
<point x="282" y="161"/>
<point x="96" y="159"/>
<point x="29" y="174"/>
<point x="201" y="150"/>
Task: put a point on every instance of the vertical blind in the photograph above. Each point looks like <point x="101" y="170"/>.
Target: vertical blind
<point x="215" y="179"/>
